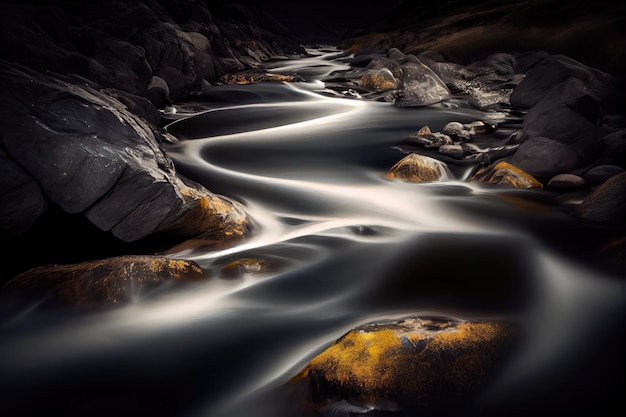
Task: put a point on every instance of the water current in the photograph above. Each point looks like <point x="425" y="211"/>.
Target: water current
<point x="335" y="244"/>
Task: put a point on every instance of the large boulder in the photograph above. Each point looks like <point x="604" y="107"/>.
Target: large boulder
<point x="544" y="158"/>
<point x="412" y="364"/>
<point x="107" y="281"/>
<point x="82" y="150"/>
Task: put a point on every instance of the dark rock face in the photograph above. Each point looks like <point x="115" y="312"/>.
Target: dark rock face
<point x="80" y="89"/>
<point x="89" y="155"/>
<point x="465" y="31"/>
<point x="123" y="45"/>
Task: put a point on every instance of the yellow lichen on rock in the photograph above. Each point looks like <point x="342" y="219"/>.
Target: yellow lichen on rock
<point x="419" y="168"/>
<point x="412" y="362"/>
<point x="506" y="174"/>
<point x="381" y="80"/>
<point x="105" y="281"/>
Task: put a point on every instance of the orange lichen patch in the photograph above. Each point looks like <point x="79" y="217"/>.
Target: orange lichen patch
<point x="244" y="78"/>
<point x="103" y="281"/>
<point x="210" y="217"/>
<point x="418" y="168"/>
<point x="412" y="362"/>
<point x="424" y="131"/>
<point x="506" y="174"/>
<point x="382" y="80"/>
<point x="243" y="266"/>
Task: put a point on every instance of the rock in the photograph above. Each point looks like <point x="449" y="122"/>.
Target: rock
<point x="455" y="151"/>
<point x="597" y="175"/>
<point x="505" y="174"/>
<point x="566" y="182"/>
<point x="420" y="86"/>
<point x="158" y="92"/>
<point x="567" y="113"/>
<point x="613" y="148"/>
<point x="419" y="168"/>
<point x="381" y="80"/>
<point x="413" y="364"/>
<point x="24" y="199"/>
<point x="255" y="76"/>
<point x="487" y="155"/>
<point x="478" y="127"/>
<point x="239" y="267"/>
<point x="607" y="203"/>
<point x="457" y="131"/>
<point x="545" y="158"/>
<point x="113" y="280"/>
<point x="89" y="155"/>
<point x="550" y="73"/>
<point x="428" y="139"/>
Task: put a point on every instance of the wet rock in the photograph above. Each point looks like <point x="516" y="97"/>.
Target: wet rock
<point x="412" y="364"/>
<point x="479" y="127"/>
<point x="428" y="139"/>
<point x="550" y="73"/>
<point x="457" y="131"/>
<point x="566" y="182"/>
<point x="381" y="80"/>
<point x="505" y="174"/>
<point x="420" y="86"/>
<point x="89" y="155"/>
<point x="239" y="267"/>
<point x="544" y="158"/>
<point x="455" y="151"/>
<point x="419" y="168"/>
<point x="597" y="175"/>
<point x="607" y="203"/>
<point x="255" y="76"/>
<point x="567" y="113"/>
<point x="487" y="155"/>
<point x="102" y="282"/>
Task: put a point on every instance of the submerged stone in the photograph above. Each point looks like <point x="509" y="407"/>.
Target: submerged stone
<point x="419" y="168"/>
<point x="413" y="364"/>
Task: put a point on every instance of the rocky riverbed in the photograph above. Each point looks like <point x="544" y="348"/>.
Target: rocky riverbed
<point x="102" y="205"/>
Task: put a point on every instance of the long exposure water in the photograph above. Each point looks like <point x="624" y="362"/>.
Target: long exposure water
<point x="335" y="244"/>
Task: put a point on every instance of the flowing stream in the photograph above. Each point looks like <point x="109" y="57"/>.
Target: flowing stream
<point x="335" y="244"/>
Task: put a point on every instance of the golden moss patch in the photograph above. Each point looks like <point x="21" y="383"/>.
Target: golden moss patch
<point x="413" y="361"/>
<point x="418" y="168"/>
<point x="506" y="174"/>
<point x="103" y="281"/>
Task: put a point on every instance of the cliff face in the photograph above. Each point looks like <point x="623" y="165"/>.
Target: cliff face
<point x="81" y="85"/>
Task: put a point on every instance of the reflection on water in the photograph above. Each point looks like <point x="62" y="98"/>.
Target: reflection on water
<point x="339" y="245"/>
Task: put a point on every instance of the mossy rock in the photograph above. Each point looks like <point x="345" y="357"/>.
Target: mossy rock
<point x="419" y="168"/>
<point x="102" y="282"/>
<point x="506" y="175"/>
<point x="414" y="364"/>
